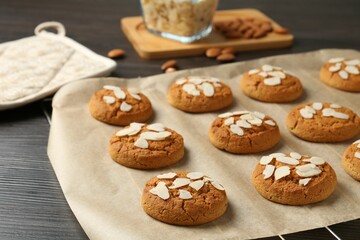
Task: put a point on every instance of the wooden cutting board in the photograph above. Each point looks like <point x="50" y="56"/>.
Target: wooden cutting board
<point x="150" y="46"/>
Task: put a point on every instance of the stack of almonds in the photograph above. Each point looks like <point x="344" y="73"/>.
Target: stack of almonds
<point x="194" y="85"/>
<point x="273" y="75"/>
<point x="120" y="94"/>
<point x="305" y="166"/>
<point x="247" y="28"/>
<point x="344" y="67"/>
<point x="247" y="119"/>
<point x="310" y="111"/>
<point x="224" y="55"/>
<point x="195" y="180"/>
<point x="156" y="132"/>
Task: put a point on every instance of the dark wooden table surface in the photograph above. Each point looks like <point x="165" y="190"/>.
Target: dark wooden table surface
<point x="32" y="205"/>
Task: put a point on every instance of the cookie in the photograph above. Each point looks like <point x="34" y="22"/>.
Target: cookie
<point x="120" y="106"/>
<point x="351" y="160"/>
<point x="341" y="73"/>
<point x="294" y="179"/>
<point x="271" y="84"/>
<point x="244" y="132"/>
<point x="183" y="198"/>
<point x="199" y="94"/>
<point x="323" y="122"/>
<point x="145" y="146"/>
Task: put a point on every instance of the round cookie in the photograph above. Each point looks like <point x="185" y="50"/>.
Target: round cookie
<point x="244" y="132"/>
<point x="183" y="198"/>
<point x="271" y="84"/>
<point x="120" y="106"/>
<point x="294" y="179"/>
<point x="323" y="122"/>
<point x="199" y="94"/>
<point x="341" y="73"/>
<point x="146" y="146"/>
<point x="351" y="160"/>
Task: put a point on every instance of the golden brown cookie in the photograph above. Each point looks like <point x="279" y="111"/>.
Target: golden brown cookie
<point x="341" y="73"/>
<point x="199" y="94"/>
<point x="146" y="146"/>
<point x="351" y="160"/>
<point x="120" y="106"/>
<point x="323" y="122"/>
<point x="244" y="132"/>
<point x="294" y="179"/>
<point x="271" y="84"/>
<point x="183" y="198"/>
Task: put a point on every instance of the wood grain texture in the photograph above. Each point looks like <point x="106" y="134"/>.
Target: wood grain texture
<point x="32" y="205"/>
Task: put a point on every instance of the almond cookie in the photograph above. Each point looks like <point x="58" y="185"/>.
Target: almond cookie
<point x="271" y="84"/>
<point x="244" y="132"/>
<point x="341" y="73"/>
<point x="323" y="122"/>
<point x="145" y="146"/>
<point x="199" y="94"/>
<point x="351" y="160"/>
<point x="183" y="198"/>
<point x="120" y="106"/>
<point x="294" y="179"/>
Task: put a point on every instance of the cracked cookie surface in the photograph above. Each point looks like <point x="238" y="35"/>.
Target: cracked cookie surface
<point x="351" y="160"/>
<point x="163" y="198"/>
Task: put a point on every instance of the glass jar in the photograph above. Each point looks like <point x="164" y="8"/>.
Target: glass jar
<point x="181" y="20"/>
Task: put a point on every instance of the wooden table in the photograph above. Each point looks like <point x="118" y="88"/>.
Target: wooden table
<point x="32" y="205"/>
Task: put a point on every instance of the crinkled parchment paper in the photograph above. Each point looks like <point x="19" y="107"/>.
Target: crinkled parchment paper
<point x="106" y="197"/>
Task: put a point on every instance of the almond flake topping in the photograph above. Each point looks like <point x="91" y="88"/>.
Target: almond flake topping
<point x="208" y="89"/>
<point x="184" y="194"/>
<point x="240" y="112"/>
<point x="110" y="87"/>
<point x="155" y="136"/>
<point x="193" y="85"/>
<point x="357" y="155"/>
<point x="344" y="75"/>
<point x="288" y="160"/>
<point x="141" y="143"/>
<point x="243" y="123"/>
<point x="317" y="105"/>
<point x="161" y="191"/>
<point x="270" y="122"/>
<point x="263" y="74"/>
<point x="273" y="81"/>
<point x="277" y="74"/>
<point x="195" y="175"/>
<point x="308" y="170"/>
<point x="217" y="185"/>
<point x="157" y="127"/>
<point x="305" y="113"/>
<point x="268" y="171"/>
<point x="259" y="115"/>
<point x="267" y="68"/>
<point x="295" y="155"/>
<point x="181" y="81"/>
<point x="119" y="93"/>
<point x="191" y="89"/>
<point x="109" y="99"/>
<point x="281" y="172"/>
<point x="133" y="90"/>
<point x="315" y="160"/>
<point x="136" y="96"/>
<point x="229" y="121"/>
<point x="253" y="71"/>
<point x="353" y="62"/>
<point x="133" y="129"/>
<point x="180" y="182"/>
<point x="304" y="182"/>
<point x="352" y="70"/>
<point x="255" y="121"/>
<point x="236" y="130"/>
<point x="266" y="160"/>
<point x="276" y="155"/>
<point x="197" y="185"/>
<point x="334" y="105"/>
<point x="336" y="60"/>
<point x="225" y="115"/>
<point x="329" y="112"/>
<point x="334" y="68"/>
<point x="340" y="115"/>
<point x="169" y="175"/>
<point x="124" y="107"/>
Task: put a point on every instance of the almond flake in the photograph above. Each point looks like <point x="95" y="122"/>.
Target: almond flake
<point x="288" y="160"/>
<point x="275" y="155"/>
<point x="236" y="130"/>
<point x="334" y="68"/>
<point x="141" y="143"/>
<point x="157" y="127"/>
<point x="277" y="74"/>
<point x="197" y="185"/>
<point x="277" y="68"/>
<point x="247" y="117"/>
<point x="217" y="84"/>
<point x="189" y="87"/>
<point x="181" y="81"/>
<point x="310" y="109"/>
<point x="195" y="175"/>
<point x="357" y="142"/>
<point x="334" y="105"/>
<point x="240" y="112"/>
<point x="266" y="160"/>
<point x="352" y="69"/>
<point x="357" y="155"/>
<point x="335" y="60"/>
<point x="306" y="167"/>
<point x="315" y="160"/>
<point x="180" y="182"/>
<point x="119" y="93"/>
<point x="133" y="90"/>
<point x="196" y="80"/>
<point x="328" y="112"/>
<point x="217" y="185"/>
<point x="207" y="179"/>
<point x="225" y="115"/>
<point x="110" y="87"/>
<point x="136" y="96"/>
<point x="253" y="71"/>
<point x="184" y="194"/>
<point x="340" y="115"/>
<point x="263" y="74"/>
<point x="281" y="172"/>
<point x="268" y="171"/>
<point x="124" y="107"/>
<point x="317" y="105"/>
<point x="212" y="80"/>
<point x="353" y="62"/>
<point x="305" y="113"/>
<point x="304" y="182"/>
<point x="272" y="81"/>
<point x="243" y="123"/>
<point x="267" y="68"/>
<point x="155" y="136"/>
<point x="255" y="121"/>
<point x="295" y="155"/>
<point x="109" y="99"/>
<point x="344" y="75"/>
<point x="229" y="121"/>
<point x="259" y="115"/>
<point x="169" y="175"/>
<point x="307" y="171"/>
<point x="270" y="122"/>
<point x="132" y="130"/>
<point x="161" y="191"/>
<point x="208" y="89"/>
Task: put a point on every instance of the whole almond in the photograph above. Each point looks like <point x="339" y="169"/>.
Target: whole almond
<point x="281" y="30"/>
<point x="266" y="27"/>
<point x="228" y="50"/>
<point x="226" y="57"/>
<point x="213" y="52"/>
<point x="116" y="53"/>
<point x="168" y="64"/>
<point x="170" y="69"/>
<point x="249" y="33"/>
<point x="259" y="33"/>
<point x="233" y="34"/>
